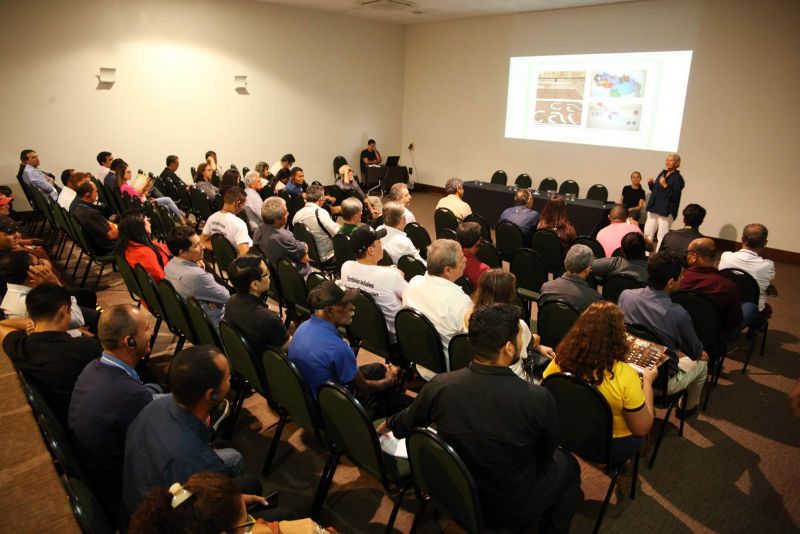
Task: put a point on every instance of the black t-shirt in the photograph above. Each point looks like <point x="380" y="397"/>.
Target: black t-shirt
<point x="370" y="156"/>
<point x="260" y="326"/>
<point x="52" y="361"/>
<point x="631" y="196"/>
<point x="95" y="225"/>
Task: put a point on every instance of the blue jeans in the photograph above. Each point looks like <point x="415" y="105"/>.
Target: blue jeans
<point x="232" y="460"/>
<point x="170" y="205"/>
<point x="749" y="314"/>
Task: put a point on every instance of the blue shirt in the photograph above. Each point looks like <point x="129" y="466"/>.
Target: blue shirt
<point x="33" y="176"/>
<point x="293" y="189"/>
<point x="191" y="280"/>
<point x="165" y="444"/>
<point x="321" y="355"/>
<point x="524" y="217"/>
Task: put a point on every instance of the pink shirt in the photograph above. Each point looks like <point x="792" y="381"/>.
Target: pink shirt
<point x="611" y="236"/>
<point x="125" y="188"/>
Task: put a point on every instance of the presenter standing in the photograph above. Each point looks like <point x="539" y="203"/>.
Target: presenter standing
<point x="369" y="156"/>
<point x="665" y="196"/>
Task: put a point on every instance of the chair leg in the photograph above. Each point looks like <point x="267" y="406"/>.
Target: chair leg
<point x="682" y="416"/>
<point x="179" y="346"/>
<point x="324" y="485"/>
<point x="764" y="337"/>
<point x="635" y="476"/>
<point x="614" y="475"/>
<point x="99" y="275"/>
<point x="419" y="516"/>
<point x="396" y="508"/>
<point x="86" y="272"/>
<point x="77" y="264"/>
<point x="273" y="448"/>
<point x="237" y="407"/>
<point x="155" y="331"/>
<point x="660" y="437"/>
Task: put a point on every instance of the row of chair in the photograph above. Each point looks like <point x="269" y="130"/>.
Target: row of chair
<point x="567" y="187"/>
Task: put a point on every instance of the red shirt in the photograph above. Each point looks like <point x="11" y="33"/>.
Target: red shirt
<point x="722" y="292"/>
<point x="138" y="253"/>
<point x="474" y="268"/>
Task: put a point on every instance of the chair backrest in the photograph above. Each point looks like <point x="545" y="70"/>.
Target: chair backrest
<point x="149" y="292"/>
<point x="419" y="237"/>
<point x="547" y="244"/>
<point x="509" y="239"/>
<point x="705" y="317"/>
<point x="554" y="319"/>
<point x="464" y="284"/>
<point x="314" y="279"/>
<point x="440" y="474"/>
<point x="459" y="351"/>
<point x="548" y="184"/>
<point x="128" y="276"/>
<point x="618" y="253"/>
<point x="530" y="270"/>
<point x="369" y="325"/>
<point x="301" y="233"/>
<point x="570" y="187"/>
<point x="87" y="509"/>
<point x="499" y="177"/>
<point x="419" y="341"/>
<point x="350" y="430"/>
<point x="748" y="287"/>
<point x="386" y="260"/>
<point x="617" y="283"/>
<point x="200" y="203"/>
<point x="486" y="232"/>
<point x="342" y="250"/>
<point x="488" y="255"/>
<point x="523" y="181"/>
<point x="592" y="243"/>
<point x="242" y="358"/>
<point x="585" y="419"/>
<point x="201" y="324"/>
<point x="411" y="267"/>
<point x="168" y="223"/>
<point x="224" y="254"/>
<point x="598" y="192"/>
<point x="155" y="221"/>
<point x="338" y="161"/>
<point x="176" y="310"/>
<point x="443" y="219"/>
<point x="293" y="286"/>
<point x="289" y="391"/>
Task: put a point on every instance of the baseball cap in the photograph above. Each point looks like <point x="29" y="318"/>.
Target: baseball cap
<point x="8" y="225"/>
<point x="363" y="236"/>
<point x="329" y="294"/>
<point x="5" y="199"/>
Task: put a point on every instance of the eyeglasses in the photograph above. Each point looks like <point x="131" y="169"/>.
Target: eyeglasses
<point x="247" y="525"/>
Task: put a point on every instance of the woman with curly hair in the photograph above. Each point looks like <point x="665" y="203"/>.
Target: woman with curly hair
<point x="594" y="350"/>
<point x="554" y="218"/>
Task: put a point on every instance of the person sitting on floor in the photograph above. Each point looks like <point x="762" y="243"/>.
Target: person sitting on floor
<point x="572" y="286"/>
<point x="632" y="263"/>
<point x="396" y="243"/>
<point x="227" y="222"/>
<point x="678" y="240"/>
<point x="469" y="237"/>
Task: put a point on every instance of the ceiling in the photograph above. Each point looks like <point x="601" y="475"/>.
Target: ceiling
<point x="433" y="10"/>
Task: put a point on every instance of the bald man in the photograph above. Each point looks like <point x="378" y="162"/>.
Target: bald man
<point x="619" y="225"/>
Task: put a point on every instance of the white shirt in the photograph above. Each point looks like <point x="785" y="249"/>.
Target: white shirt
<point x="523" y="354"/>
<point x="252" y="207"/>
<point x="384" y="284"/>
<point x="308" y="216"/>
<point x="761" y="269"/>
<point x="279" y="186"/>
<point x="397" y="244"/>
<point x="65" y="197"/>
<point x="102" y="172"/>
<point x="444" y="304"/>
<point x="409" y="216"/>
<point x="232" y="227"/>
<point x="14" y="307"/>
<point x="454" y="203"/>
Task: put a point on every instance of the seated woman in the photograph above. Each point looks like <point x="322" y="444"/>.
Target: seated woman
<point x="554" y="218"/>
<point x="203" y="181"/>
<point x="499" y="286"/>
<point x="633" y="196"/>
<point x="137" y="245"/>
<point x="230" y="179"/>
<point x="262" y="168"/>
<point x="347" y="182"/>
<point x="594" y="350"/>
<point x="123" y="173"/>
<point x="281" y="179"/>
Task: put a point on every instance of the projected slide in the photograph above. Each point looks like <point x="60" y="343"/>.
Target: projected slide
<point x="632" y="100"/>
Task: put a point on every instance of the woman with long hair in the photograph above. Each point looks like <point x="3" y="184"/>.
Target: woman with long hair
<point x="499" y="286"/>
<point x="554" y="218"/>
<point x="231" y="178"/>
<point x="594" y="350"/>
<point x="137" y="245"/>
<point x="203" y="181"/>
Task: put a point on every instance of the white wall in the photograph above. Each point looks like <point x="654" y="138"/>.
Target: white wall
<point x="320" y="84"/>
<point x="738" y="140"/>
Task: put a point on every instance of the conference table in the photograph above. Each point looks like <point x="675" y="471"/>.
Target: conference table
<point x="489" y="200"/>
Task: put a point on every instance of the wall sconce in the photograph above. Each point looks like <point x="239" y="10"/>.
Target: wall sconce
<point x="240" y="85"/>
<point x="106" y="79"/>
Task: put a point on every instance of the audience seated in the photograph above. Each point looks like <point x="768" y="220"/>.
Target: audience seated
<point x="438" y="297"/>
<point x="230" y="178"/>
<point x="385" y="284"/>
<point x="347" y="182"/>
<point x="281" y="179"/>
<point x="171" y="166"/>
<point x="594" y="350"/>
<point x="396" y="243"/>
<point x="137" y="244"/>
<point x="651" y="307"/>
<point x="110" y="179"/>
<point x="297" y="182"/>
<point x="399" y="193"/>
<point x="318" y="221"/>
<point x="216" y="167"/>
<point x="284" y="164"/>
<point x="261" y="326"/>
<point x="455" y="192"/>
<point x="31" y="175"/>
<point x="678" y="240"/>
<point x="633" y="196"/>
<point x="632" y="263"/>
<point x="104" y="159"/>
<point x="619" y="225"/>
<point x="252" y="205"/>
<point x="48" y="356"/>
<point x="503" y="428"/>
<point x="351" y="215"/>
<point x="522" y="214"/>
<point x="320" y="354"/>
<point x="107" y="397"/>
<point x="203" y="181"/>
<point x="100" y="232"/>
<point x="554" y="218"/>
<point x="186" y="271"/>
<point x="469" y="237"/>
<point x="68" y="195"/>
<point x="276" y="242"/>
<point x="749" y="260"/>
<point x="227" y="223"/>
<point x="123" y="176"/>
<point x="572" y="286"/>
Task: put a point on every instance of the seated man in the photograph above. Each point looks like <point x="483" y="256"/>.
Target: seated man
<point x="369" y="156"/>
<point x="455" y="191"/>
<point x="396" y="243"/>
<point x="283" y="164"/>
<point x="107" y="397"/>
<point x="522" y="214"/>
<point x="572" y="286"/>
<point x="317" y="221"/>
<point x="297" y="182"/>
<point x="100" y="232"/>
<point x="49" y="357"/>
<point x="260" y="326"/>
<point x="187" y="274"/>
<point x="68" y="195"/>
<point x="438" y="297"/>
<point x="399" y="193"/>
<point x="469" y="237"/>
<point x="347" y="182"/>
<point x="252" y="206"/>
<point x="168" y="441"/>
<point x="104" y="159"/>
<point x="276" y="242"/>
<point x="351" y="215"/>
<point x="632" y="263"/>
<point x="619" y="225"/>
<point x="651" y="307"/>
<point x="505" y="429"/>
<point x="678" y="240"/>
<point x="385" y="284"/>
<point x="227" y="223"/>
<point x="32" y="176"/>
<point x="748" y="259"/>
<point x="320" y="354"/>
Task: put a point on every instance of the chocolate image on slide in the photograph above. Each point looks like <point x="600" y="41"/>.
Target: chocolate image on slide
<point x="614" y="116"/>
<point x="560" y="85"/>
<point x="558" y="112"/>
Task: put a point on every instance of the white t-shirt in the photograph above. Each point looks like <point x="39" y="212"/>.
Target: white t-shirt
<point x="384" y="284"/>
<point x="232" y="227"/>
<point x="323" y="238"/>
<point x="409" y="216"/>
<point x="763" y="270"/>
<point x="397" y="244"/>
<point x="66" y="196"/>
